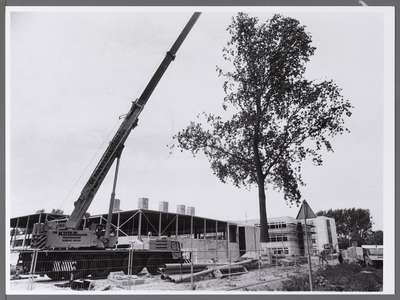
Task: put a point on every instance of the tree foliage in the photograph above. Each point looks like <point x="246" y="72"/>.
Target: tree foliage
<point x="375" y="238"/>
<point x="346" y="277"/>
<point x="277" y="117"/>
<point x="57" y="211"/>
<point x="351" y="223"/>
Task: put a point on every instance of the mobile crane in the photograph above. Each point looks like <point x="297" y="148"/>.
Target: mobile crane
<point x="64" y="248"/>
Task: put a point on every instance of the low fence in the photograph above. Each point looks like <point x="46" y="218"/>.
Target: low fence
<point x="69" y="268"/>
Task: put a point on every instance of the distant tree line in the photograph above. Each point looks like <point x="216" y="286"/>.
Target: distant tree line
<point x="54" y="211"/>
<point x="57" y="211"/>
<point x="353" y="226"/>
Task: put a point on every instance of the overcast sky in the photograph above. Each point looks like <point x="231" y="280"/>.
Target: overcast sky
<point x="71" y="74"/>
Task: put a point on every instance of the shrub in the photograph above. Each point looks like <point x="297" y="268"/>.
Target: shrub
<point x="296" y="283"/>
<point x="344" y="277"/>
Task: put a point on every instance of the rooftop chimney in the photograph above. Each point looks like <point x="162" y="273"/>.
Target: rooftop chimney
<point x="190" y="211"/>
<point x="143" y="203"/>
<point x="117" y="203"/>
<point x="180" y="209"/>
<point x="163" y="206"/>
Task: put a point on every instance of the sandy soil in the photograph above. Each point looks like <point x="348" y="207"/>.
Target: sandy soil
<point x="258" y="279"/>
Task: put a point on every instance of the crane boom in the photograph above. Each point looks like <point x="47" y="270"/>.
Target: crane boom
<point x="116" y="145"/>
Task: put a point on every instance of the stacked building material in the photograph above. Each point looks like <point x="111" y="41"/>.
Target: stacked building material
<point x="168" y="269"/>
<point x="120" y="279"/>
<point x="219" y="271"/>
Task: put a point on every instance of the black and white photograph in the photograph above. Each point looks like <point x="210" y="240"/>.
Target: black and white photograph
<point x="200" y="150"/>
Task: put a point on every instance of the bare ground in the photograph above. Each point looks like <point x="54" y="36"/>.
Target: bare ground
<point x="259" y="279"/>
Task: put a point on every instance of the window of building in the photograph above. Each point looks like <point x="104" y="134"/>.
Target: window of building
<point x="232" y="233"/>
<point x="276" y="225"/>
<point x="209" y="235"/>
<point x="328" y="226"/>
<point x="283" y="250"/>
<point x="278" y="238"/>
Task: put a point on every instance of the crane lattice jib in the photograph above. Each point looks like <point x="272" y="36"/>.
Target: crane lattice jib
<point x="117" y="143"/>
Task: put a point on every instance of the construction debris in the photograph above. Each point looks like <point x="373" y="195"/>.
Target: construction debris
<point x="82" y="284"/>
<point x="168" y="269"/>
<point x="188" y="277"/>
<point x="230" y="270"/>
<point x="122" y="280"/>
<point x="63" y="285"/>
<point x="78" y="284"/>
<point x="217" y="271"/>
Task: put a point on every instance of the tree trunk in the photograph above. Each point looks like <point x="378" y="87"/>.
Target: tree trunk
<point x="264" y="236"/>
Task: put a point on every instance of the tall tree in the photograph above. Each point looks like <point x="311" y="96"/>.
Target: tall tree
<point x="275" y="111"/>
<point x="351" y="223"/>
<point x="375" y="238"/>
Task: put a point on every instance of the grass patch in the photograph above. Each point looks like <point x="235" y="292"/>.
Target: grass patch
<point x="347" y="277"/>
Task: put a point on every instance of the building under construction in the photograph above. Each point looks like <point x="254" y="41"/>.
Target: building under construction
<point x="207" y="239"/>
<point x="287" y="235"/>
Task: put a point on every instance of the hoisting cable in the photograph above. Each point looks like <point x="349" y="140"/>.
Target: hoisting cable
<point x="83" y="172"/>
